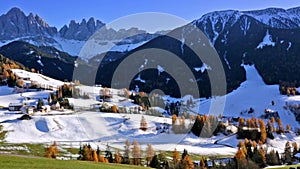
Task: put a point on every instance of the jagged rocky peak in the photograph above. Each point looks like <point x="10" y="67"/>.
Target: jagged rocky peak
<point x="15" y="12"/>
<point x="82" y="30"/>
<point x="15" y="24"/>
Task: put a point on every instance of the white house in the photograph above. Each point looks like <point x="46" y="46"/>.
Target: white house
<point x="55" y="106"/>
<point x="46" y="108"/>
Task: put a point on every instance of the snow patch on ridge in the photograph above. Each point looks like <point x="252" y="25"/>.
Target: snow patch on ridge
<point x="267" y="41"/>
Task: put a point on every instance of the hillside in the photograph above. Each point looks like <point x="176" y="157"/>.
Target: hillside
<point x="6" y="64"/>
<point x="46" y="60"/>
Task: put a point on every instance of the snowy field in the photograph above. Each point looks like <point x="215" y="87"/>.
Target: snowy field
<point x="253" y="93"/>
<point x="100" y="128"/>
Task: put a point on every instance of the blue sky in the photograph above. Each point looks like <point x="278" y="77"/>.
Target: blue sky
<point x="60" y="12"/>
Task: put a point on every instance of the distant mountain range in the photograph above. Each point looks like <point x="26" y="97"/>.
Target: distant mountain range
<point x="267" y="38"/>
<point x="15" y="25"/>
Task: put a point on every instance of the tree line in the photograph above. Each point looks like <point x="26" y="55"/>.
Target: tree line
<point x="256" y="129"/>
<point x="256" y="155"/>
<point x="7" y="77"/>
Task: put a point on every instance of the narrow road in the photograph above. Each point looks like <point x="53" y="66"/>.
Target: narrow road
<point x="216" y="142"/>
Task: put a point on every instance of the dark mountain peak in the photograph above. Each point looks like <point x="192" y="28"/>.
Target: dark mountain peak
<point x="72" y="23"/>
<point x="31" y="15"/>
<point x="91" y="21"/>
<point x="13" y="16"/>
<point x="83" y="22"/>
<point x="15" y="11"/>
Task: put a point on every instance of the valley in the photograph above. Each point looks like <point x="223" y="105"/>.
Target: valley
<point x="99" y="129"/>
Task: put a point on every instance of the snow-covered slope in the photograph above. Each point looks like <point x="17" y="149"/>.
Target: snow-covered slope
<point x="94" y="47"/>
<point x="73" y="47"/>
<point x="254" y="93"/>
<point x="38" y="78"/>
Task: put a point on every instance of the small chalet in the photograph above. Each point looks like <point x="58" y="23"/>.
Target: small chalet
<point x="46" y="108"/>
<point x="15" y="106"/>
<point x="106" y="94"/>
<point x="28" y="110"/>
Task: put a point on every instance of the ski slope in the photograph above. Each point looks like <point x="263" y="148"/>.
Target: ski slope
<point x="256" y="94"/>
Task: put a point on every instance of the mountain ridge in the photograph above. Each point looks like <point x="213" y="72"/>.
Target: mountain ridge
<point x="238" y="39"/>
<point x="272" y="17"/>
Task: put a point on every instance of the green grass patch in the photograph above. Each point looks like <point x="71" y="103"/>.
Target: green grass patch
<point x="32" y="149"/>
<point x="35" y="150"/>
<point x="72" y="150"/>
<point x="23" y="149"/>
<point x="197" y="157"/>
<point x="9" y="162"/>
